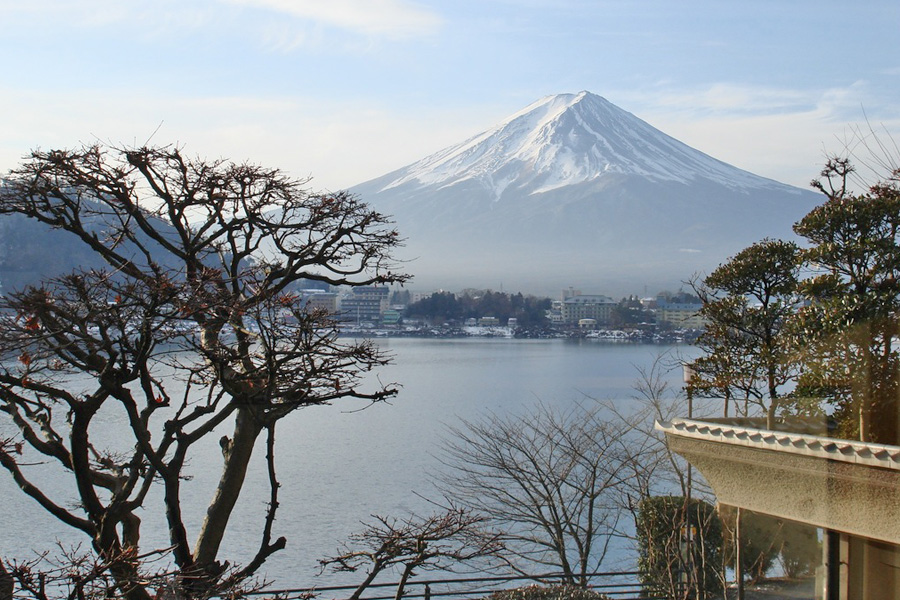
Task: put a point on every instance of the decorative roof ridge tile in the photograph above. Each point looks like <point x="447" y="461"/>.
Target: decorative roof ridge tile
<point x="878" y="455"/>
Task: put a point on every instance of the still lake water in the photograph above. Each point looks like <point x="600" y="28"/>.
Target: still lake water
<point x="338" y="466"/>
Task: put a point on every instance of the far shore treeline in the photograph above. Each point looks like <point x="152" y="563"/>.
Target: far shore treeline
<point x="441" y="307"/>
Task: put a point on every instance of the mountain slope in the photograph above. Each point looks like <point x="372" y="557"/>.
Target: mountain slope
<point x="566" y="140"/>
<point x="572" y="190"/>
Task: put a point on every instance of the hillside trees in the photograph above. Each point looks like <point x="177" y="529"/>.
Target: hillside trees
<point x="439" y="306"/>
<point x="629" y="313"/>
<point x="189" y="329"/>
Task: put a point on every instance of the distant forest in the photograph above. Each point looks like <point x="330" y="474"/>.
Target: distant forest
<point x="441" y="307"/>
<point x="31" y="252"/>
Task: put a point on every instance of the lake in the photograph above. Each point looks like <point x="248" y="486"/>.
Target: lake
<point x="338" y="465"/>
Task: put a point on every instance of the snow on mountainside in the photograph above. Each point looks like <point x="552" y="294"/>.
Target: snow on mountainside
<point x="573" y="190"/>
<point x="556" y="142"/>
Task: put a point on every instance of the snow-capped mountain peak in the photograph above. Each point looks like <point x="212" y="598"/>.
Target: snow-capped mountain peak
<point x="573" y="190"/>
<point x="562" y="140"/>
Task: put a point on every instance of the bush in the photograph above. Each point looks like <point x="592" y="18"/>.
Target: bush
<point x="551" y="592"/>
<point x="661" y="522"/>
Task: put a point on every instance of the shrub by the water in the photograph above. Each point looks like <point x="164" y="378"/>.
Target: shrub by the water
<point x="663" y="560"/>
<point x="551" y="592"/>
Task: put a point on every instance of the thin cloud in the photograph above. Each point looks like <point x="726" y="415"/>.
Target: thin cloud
<point x="161" y="19"/>
<point x="391" y="18"/>
<point x="726" y="97"/>
<point x="302" y="22"/>
<point x="726" y="100"/>
<point x="781" y="133"/>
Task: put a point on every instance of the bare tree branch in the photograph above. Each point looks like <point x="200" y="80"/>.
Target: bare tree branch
<point x="203" y="259"/>
<point x="436" y="542"/>
<point x="546" y="480"/>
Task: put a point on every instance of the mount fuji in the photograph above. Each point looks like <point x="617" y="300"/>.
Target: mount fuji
<point x="574" y="191"/>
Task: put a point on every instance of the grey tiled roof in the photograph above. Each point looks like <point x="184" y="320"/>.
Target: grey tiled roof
<point x="875" y="455"/>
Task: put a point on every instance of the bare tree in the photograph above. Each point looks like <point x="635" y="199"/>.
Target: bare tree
<point x="436" y="542"/>
<point x="194" y="325"/>
<point x="76" y="574"/>
<point x="545" y="479"/>
<point x="649" y="467"/>
<point x="659" y="490"/>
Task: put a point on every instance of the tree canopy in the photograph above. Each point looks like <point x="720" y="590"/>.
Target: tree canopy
<point x="821" y="318"/>
<point x="850" y="328"/>
<point x="747" y="302"/>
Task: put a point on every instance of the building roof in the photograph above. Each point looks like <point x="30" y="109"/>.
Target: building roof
<point x="841" y="485"/>
<point x="589" y="299"/>
<point x="691" y="306"/>
<point x="874" y="455"/>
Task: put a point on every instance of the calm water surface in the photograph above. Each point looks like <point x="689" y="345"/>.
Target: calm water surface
<point x="339" y="465"/>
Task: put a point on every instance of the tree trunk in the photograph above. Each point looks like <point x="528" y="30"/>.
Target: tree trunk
<point x="129" y="580"/>
<point x="401" y="585"/>
<point x="237" y="453"/>
<point x="867" y="397"/>
<point x="773" y="399"/>
<point x="6" y="583"/>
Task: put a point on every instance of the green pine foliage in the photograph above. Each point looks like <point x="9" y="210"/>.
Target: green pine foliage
<point x="813" y="329"/>
<point x="850" y="330"/>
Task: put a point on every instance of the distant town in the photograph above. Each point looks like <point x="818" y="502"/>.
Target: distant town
<point x="382" y="311"/>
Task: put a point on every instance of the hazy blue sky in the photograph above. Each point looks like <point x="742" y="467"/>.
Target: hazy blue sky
<point x="346" y="90"/>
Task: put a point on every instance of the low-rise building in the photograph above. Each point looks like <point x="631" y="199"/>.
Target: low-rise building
<point x="587" y="323"/>
<point x="681" y="315"/>
<point x="390" y="317"/>
<point x="320" y="299"/>
<point x="848" y="489"/>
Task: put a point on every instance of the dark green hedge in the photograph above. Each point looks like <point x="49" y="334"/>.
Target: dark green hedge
<point x="663" y="557"/>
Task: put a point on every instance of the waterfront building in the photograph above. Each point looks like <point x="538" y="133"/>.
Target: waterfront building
<point x="320" y="299"/>
<point x="587" y="306"/>
<point x="364" y="304"/>
<point x="681" y="315"/>
<point x="390" y="317"/>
